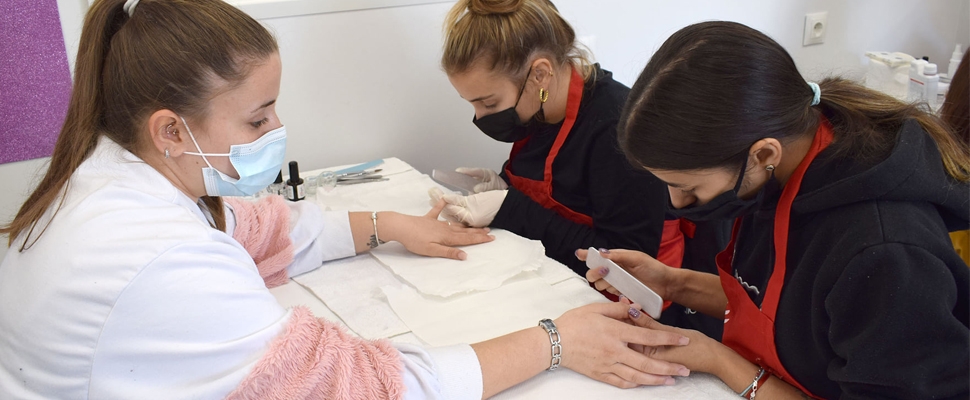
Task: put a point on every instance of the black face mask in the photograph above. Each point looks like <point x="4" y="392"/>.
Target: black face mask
<point x="727" y="205"/>
<point x="504" y="125"/>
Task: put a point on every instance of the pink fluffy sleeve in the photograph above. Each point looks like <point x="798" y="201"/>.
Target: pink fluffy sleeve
<point x="315" y="359"/>
<point x="263" y="229"/>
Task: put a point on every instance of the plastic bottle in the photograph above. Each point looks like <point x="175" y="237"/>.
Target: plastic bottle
<point x="294" y="185"/>
<point x="932" y="84"/>
<point x="954" y="62"/>
<point x="917" y="84"/>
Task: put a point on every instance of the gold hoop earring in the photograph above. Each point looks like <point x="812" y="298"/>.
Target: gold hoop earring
<point x="543" y="95"/>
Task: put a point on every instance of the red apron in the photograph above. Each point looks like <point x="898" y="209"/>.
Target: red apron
<point x="671" y="243"/>
<point x="748" y="330"/>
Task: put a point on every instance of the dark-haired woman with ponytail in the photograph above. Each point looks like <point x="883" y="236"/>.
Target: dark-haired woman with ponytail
<point x="840" y="280"/>
<point x="131" y="277"/>
<point x="565" y="183"/>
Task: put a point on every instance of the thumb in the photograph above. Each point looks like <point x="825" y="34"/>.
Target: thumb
<point x="455" y="199"/>
<point x="436" y="209"/>
<point x="460" y="213"/>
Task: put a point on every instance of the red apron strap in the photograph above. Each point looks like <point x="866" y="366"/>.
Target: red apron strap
<point x="748" y="329"/>
<point x="541" y="191"/>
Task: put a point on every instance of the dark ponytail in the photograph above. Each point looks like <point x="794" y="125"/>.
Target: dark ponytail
<point x="715" y="88"/>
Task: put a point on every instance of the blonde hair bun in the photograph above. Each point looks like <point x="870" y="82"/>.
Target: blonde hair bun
<point x="486" y="7"/>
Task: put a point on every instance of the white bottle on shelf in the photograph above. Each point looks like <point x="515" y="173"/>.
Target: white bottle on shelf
<point x="931" y="84"/>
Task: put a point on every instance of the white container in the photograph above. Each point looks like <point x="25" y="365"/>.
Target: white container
<point x="917" y="81"/>
<point x="888" y="73"/>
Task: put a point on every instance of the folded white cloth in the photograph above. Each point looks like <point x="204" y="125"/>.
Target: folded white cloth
<point x="487" y="266"/>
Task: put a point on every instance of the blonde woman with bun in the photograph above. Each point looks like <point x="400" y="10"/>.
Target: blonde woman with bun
<point x="565" y="182"/>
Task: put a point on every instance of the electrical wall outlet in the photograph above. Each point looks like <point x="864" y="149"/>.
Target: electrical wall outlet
<point x="815" y="26"/>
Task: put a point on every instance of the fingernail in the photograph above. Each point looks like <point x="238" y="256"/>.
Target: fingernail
<point x="684" y="341"/>
<point x="634" y="313"/>
<point x="576" y="253"/>
<point x="462" y="256"/>
<point x="683" y="371"/>
<point x="604" y="251"/>
<point x="669" y="381"/>
<point x="603" y="270"/>
<point x="487" y="230"/>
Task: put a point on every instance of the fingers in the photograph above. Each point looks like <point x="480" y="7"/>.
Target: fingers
<point x="581" y="254"/>
<point x="437" y="250"/>
<point x="435" y="195"/>
<point x="597" y="274"/>
<point x="648" y="333"/>
<point x="479" y="173"/>
<point x="615" y="380"/>
<point x="639" y="377"/>
<point x="647" y="371"/>
<point x="467" y="238"/>
<point x="481" y="187"/>
<point x="459" y="213"/>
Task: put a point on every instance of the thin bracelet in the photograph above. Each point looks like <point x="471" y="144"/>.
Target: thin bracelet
<point x="375" y="240"/>
<point x="749" y="392"/>
<point x="550" y="328"/>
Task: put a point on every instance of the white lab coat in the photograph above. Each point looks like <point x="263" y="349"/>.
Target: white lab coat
<point x="130" y="294"/>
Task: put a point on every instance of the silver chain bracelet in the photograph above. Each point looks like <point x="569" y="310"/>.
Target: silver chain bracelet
<point x="550" y="328"/>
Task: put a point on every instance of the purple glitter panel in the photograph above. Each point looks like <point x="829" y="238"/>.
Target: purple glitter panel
<point x="35" y="80"/>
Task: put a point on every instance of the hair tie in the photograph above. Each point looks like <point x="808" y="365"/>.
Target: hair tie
<point x="817" y="91"/>
<point x="129" y="7"/>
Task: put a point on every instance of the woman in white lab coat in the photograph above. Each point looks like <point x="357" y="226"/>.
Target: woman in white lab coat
<point x="129" y="277"/>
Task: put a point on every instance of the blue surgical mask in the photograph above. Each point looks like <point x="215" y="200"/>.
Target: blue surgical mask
<point x="257" y="163"/>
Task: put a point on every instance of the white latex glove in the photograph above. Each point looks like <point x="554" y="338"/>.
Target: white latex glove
<point x="477" y="210"/>
<point x="490" y="179"/>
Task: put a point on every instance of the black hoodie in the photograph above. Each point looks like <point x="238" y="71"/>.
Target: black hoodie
<point x="875" y="302"/>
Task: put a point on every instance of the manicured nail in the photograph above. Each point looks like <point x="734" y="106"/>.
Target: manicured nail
<point x="684" y="341"/>
<point x="604" y="251"/>
<point x="634" y="313"/>
<point x="683" y="371"/>
<point x="603" y="270"/>
<point x="462" y="256"/>
<point x="576" y="253"/>
<point x="669" y="381"/>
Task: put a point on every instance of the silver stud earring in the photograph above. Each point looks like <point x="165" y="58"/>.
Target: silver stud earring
<point x="166" y="153"/>
<point x="770" y="167"/>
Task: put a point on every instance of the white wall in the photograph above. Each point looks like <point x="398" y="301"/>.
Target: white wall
<point x="359" y="85"/>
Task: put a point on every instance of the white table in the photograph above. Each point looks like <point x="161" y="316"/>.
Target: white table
<point x="349" y="291"/>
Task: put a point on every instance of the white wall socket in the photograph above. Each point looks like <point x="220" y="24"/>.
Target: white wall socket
<point x="815" y="26"/>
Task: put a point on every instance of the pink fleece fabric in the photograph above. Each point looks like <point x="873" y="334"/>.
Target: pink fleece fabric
<point x="316" y="359"/>
<point x="263" y="229"/>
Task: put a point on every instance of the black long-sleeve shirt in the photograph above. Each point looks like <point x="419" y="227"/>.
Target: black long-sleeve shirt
<point x="590" y="176"/>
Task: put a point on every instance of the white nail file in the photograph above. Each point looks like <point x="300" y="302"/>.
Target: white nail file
<point x="626" y="284"/>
